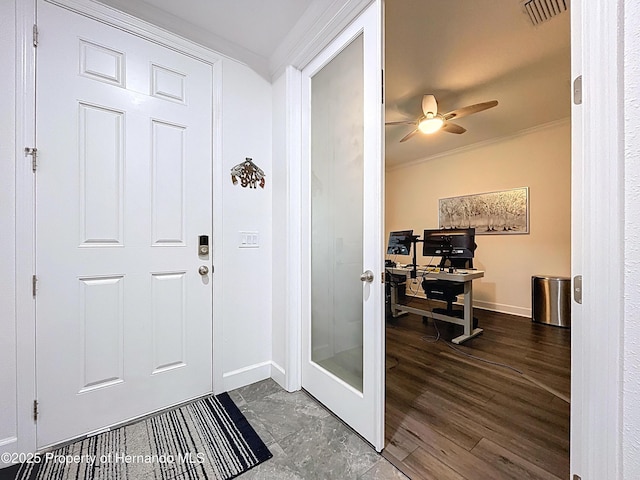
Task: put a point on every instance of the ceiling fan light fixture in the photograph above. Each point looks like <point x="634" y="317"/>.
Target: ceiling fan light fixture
<point x="431" y="124"/>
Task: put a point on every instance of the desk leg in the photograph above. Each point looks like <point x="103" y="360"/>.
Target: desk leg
<point x="469" y="331"/>
<point x="394" y="303"/>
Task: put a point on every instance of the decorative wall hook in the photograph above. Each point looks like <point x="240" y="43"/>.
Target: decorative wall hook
<point x="249" y="173"/>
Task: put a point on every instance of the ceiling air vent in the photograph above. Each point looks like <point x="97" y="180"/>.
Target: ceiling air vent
<point x="542" y="10"/>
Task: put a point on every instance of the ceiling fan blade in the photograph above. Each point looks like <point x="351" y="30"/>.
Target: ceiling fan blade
<point x="403" y="122"/>
<point x="464" y="111"/>
<point x="452" y="128"/>
<point x="429" y="104"/>
<point x="409" y="135"/>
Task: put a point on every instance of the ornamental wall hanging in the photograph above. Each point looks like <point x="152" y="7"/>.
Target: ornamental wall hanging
<point x="248" y="173"/>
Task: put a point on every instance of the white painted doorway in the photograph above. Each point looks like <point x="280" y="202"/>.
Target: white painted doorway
<point x="123" y="194"/>
<point x="342" y="288"/>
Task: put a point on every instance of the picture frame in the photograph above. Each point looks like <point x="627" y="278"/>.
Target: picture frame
<point x="503" y="212"/>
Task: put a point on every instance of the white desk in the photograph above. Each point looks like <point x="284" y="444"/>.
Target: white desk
<point x="460" y="276"/>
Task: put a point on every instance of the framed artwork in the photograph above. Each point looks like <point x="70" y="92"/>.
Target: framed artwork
<point x="495" y="213"/>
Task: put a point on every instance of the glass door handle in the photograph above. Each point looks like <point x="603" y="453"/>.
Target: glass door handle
<point x="367" y="276"/>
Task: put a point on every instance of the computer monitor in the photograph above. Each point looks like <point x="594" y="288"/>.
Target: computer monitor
<point x="449" y="243"/>
<point x="400" y="242"/>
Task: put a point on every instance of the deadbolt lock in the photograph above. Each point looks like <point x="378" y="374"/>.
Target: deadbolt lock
<point x="203" y="245"/>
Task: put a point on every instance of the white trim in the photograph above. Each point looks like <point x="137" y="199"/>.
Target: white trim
<point x="484" y="143"/>
<point x="7" y="441"/>
<point x="278" y="374"/>
<point x="218" y="228"/>
<point x="247" y="375"/>
<point x="598" y="222"/>
<point x="8" y="445"/>
<point x="293" y="312"/>
<point x="317" y="27"/>
<point x="136" y="26"/>
<point x="502" y="308"/>
<point x="25" y="221"/>
<point x="178" y="26"/>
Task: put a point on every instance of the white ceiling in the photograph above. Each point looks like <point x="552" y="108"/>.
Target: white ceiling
<point x="258" y="26"/>
<point x="247" y="30"/>
<point x="462" y="51"/>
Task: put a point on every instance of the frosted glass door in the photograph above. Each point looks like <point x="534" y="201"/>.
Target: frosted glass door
<point x="337" y="136"/>
<point x="342" y="325"/>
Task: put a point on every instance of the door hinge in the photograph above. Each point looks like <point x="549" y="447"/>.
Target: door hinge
<point x="34" y="285"/>
<point x="35" y="410"/>
<point x="577" y="90"/>
<point x="382" y="277"/>
<point x="35" y="35"/>
<point x="577" y="289"/>
<point x="34" y="156"/>
<point x="382" y="85"/>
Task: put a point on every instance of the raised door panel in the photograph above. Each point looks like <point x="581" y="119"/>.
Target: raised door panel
<point x="102" y="161"/>
<point x="102" y="324"/>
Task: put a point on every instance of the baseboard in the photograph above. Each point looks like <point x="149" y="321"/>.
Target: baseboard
<point x="7" y="445"/>
<point x="501" y="308"/>
<point x="254" y="373"/>
<point x="493" y="307"/>
<point x="278" y="375"/>
<point x="247" y="375"/>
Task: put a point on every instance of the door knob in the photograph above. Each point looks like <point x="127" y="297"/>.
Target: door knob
<point x="367" y="276"/>
<point x="203" y="270"/>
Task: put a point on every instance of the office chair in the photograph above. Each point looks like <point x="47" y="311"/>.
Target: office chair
<point x="448" y="291"/>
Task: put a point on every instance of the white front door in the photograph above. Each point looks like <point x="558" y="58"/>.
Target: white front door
<point x="124" y="318"/>
<point x="342" y="330"/>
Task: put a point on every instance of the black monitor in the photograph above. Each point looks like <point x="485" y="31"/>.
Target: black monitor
<point x="449" y="243"/>
<point x="400" y="242"/>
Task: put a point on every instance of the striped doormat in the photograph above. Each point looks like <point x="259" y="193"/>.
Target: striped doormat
<point x="207" y="439"/>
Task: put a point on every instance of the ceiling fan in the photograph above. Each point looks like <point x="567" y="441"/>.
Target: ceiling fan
<point x="431" y="121"/>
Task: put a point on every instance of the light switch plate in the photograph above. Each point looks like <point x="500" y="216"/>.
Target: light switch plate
<point x="249" y="239"/>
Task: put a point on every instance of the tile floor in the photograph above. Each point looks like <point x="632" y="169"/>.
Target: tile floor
<point x="306" y="440"/>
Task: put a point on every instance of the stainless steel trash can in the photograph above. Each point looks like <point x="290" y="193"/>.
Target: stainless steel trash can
<point x="551" y="300"/>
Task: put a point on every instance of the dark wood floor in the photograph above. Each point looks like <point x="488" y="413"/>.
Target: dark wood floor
<point x="449" y="416"/>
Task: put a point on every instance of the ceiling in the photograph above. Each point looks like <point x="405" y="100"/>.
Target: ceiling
<point x="462" y="51"/>
<point x="247" y="30"/>
<point x="466" y="52"/>
<point x="258" y="26"/>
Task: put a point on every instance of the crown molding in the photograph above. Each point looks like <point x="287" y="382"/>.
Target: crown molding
<point x="484" y="143"/>
<point x="149" y="19"/>
<point x="319" y="24"/>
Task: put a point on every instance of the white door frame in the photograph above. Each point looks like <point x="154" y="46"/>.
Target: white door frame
<point x="598" y="198"/>
<point x="302" y="51"/>
<point x="25" y="191"/>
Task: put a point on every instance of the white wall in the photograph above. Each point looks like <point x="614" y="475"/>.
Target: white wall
<point x="631" y="345"/>
<point x="8" y="430"/>
<point x="247" y="272"/>
<point x="539" y="159"/>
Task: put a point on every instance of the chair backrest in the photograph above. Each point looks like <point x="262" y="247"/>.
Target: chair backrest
<point x="459" y="262"/>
